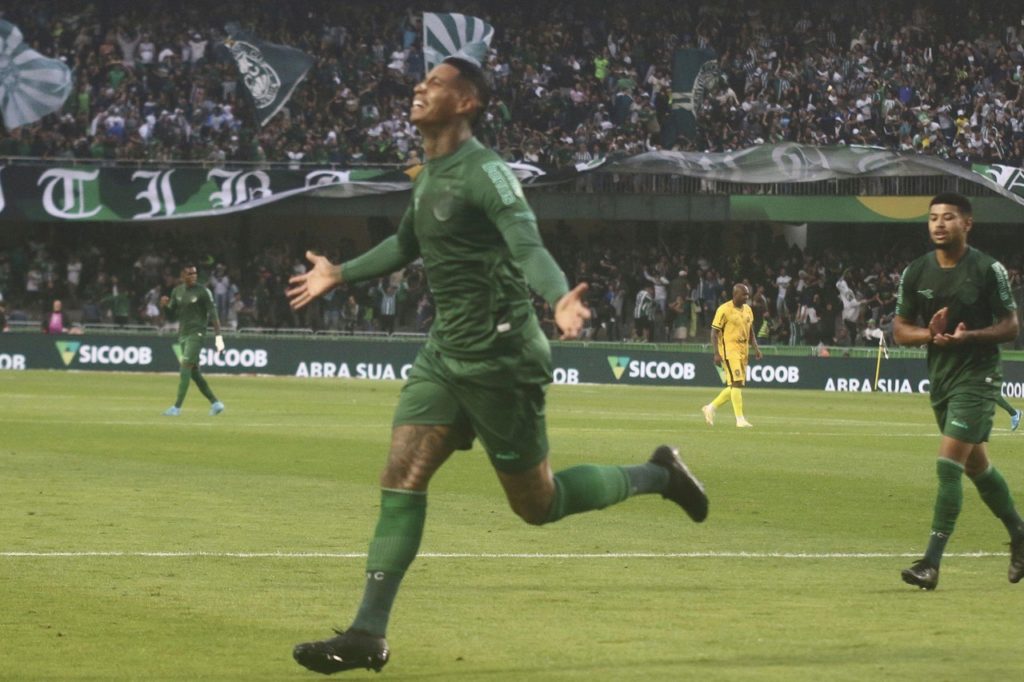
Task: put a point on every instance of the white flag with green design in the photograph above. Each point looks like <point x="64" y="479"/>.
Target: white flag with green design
<point x="455" y="35"/>
<point x="31" y="85"/>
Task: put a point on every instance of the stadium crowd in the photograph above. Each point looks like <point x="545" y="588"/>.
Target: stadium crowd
<point x="572" y="80"/>
<point x="649" y="286"/>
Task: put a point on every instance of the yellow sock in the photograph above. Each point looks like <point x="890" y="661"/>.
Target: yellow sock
<point x="722" y="398"/>
<point x="737" y="401"/>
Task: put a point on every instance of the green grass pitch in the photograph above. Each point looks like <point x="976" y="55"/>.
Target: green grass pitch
<point x="135" y="546"/>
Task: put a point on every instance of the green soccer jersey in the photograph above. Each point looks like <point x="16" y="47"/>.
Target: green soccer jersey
<point x="481" y="249"/>
<point x="193" y="308"/>
<point x="977" y="293"/>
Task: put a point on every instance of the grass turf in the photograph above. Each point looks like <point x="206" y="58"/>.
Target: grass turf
<point x="223" y="541"/>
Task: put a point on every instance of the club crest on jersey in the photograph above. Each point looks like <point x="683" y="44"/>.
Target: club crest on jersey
<point x="444" y="207"/>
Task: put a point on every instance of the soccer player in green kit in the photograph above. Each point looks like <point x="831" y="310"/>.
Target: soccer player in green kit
<point x="193" y="308"/>
<point x="965" y="297"/>
<point x="486" y="365"/>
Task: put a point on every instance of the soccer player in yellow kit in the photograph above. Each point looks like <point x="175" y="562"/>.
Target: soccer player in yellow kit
<point x="731" y="336"/>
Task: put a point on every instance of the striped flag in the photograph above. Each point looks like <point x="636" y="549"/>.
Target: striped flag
<point x="31" y="85"/>
<point x="455" y="35"/>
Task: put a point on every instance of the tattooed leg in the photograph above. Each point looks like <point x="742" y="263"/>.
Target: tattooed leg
<point x="417" y="452"/>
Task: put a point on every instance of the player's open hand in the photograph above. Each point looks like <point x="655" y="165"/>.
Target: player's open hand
<point x="571" y="312"/>
<point x="320" y="279"/>
<point x="937" y="325"/>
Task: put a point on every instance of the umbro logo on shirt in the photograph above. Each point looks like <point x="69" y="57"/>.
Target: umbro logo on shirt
<point x="927" y="293"/>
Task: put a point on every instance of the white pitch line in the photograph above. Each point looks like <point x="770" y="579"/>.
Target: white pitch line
<point x="498" y="555"/>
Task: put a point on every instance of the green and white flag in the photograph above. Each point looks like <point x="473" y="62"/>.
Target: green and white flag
<point x="694" y="72"/>
<point x="269" y="72"/>
<point x="31" y="85"/>
<point x="455" y="35"/>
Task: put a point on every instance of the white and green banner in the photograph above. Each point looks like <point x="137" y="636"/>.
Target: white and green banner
<point x="455" y="35"/>
<point x="796" y="163"/>
<point x="31" y="85"/>
<point x="95" y="193"/>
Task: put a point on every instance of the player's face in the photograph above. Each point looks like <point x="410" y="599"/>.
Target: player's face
<point x="948" y="227"/>
<point x="438" y="97"/>
<point x="740" y="295"/>
<point x="189" y="276"/>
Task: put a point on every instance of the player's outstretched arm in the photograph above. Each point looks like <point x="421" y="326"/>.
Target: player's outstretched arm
<point x="321" y="278"/>
<point x="571" y="312"/>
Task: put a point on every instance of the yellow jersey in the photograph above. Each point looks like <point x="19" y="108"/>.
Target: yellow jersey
<point x="733" y="325"/>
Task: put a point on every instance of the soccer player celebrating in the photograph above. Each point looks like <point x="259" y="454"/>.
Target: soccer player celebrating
<point x="193" y="308"/>
<point x="965" y="297"/>
<point x="486" y="364"/>
<point x="731" y="336"/>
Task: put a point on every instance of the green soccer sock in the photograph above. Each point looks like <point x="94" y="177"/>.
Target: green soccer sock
<point x="996" y="494"/>
<point x="646" y="478"/>
<point x="586" y="487"/>
<point x="394" y="546"/>
<point x="948" y="502"/>
<point x="184" y="376"/>
<point x="204" y="387"/>
<point x="1005" y="404"/>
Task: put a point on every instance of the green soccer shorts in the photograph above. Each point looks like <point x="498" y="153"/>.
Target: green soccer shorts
<point x="965" y="417"/>
<point x="499" y="400"/>
<point x="190" y="349"/>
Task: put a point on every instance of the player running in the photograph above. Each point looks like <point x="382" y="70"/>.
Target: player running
<point x="486" y="365"/>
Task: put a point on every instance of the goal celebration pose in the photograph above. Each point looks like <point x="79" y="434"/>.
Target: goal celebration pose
<point x="486" y="365"/>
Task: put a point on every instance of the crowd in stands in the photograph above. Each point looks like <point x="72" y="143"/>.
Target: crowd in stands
<point x="572" y="80"/>
<point x="656" y="286"/>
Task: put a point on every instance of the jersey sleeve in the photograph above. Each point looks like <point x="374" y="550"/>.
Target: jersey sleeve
<point x="719" y="321"/>
<point x="905" y="301"/>
<point x="1000" y="295"/>
<point x="498" y="193"/>
<point x="391" y="254"/>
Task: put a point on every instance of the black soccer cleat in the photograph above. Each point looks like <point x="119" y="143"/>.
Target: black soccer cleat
<point x="683" y="487"/>
<point x="348" y="650"/>
<point x="1016" y="571"/>
<point x="922" y="574"/>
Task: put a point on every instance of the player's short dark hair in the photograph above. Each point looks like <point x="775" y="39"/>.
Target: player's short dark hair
<point x="473" y="75"/>
<point x="954" y="199"/>
<point x="187" y="264"/>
